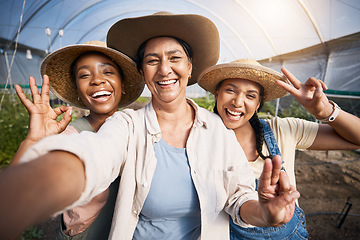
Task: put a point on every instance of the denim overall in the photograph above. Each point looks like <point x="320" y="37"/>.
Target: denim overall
<point x="294" y="229"/>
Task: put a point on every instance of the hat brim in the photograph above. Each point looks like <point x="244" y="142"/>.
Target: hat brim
<point x="199" y="32"/>
<point x="57" y="66"/>
<point x="266" y="77"/>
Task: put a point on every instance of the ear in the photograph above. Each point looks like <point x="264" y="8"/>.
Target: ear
<point x="190" y="66"/>
<point x="257" y="107"/>
<point x="216" y="94"/>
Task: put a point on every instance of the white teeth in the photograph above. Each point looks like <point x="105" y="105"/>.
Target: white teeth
<point x="167" y="82"/>
<point x="234" y="113"/>
<point x="101" y="93"/>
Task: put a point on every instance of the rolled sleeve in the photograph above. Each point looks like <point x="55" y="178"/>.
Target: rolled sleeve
<point x="102" y="154"/>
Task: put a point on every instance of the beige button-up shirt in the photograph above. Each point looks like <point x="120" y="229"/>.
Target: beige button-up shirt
<point x="125" y="146"/>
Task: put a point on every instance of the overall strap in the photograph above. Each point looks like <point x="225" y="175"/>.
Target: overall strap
<point x="270" y="139"/>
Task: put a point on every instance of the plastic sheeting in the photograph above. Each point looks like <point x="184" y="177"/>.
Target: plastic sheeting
<point x="292" y="33"/>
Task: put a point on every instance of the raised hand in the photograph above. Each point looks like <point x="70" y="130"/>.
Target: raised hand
<point x="310" y="94"/>
<point x="42" y="118"/>
<point x="276" y="195"/>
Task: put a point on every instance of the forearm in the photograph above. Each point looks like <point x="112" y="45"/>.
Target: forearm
<point x="347" y="126"/>
<point x="341" y="134"/>
<point x="251" y="214"/>
<point x="33" y="191"/>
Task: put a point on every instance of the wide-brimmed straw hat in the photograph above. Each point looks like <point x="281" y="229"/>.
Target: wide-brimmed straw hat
<point x="199" y="32"/>
<point x="245" y="69"/>
<point x="57" y="65"/>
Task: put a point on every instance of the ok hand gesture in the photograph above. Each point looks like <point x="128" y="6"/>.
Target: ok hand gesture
<point x="42" y="118"/>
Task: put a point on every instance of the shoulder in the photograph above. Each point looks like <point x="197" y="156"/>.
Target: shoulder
<point x="81" y="124"/>
<point x="289" y="122"/>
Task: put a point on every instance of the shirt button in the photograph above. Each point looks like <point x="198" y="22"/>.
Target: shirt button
<point x="134" y="211"/>
<point x="145" y="184"/>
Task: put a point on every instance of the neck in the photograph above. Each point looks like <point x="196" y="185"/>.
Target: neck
<point x="247" y="138"/>
<point x="175" y="121"/>
<point x="96" y="120"/>
<point x="171" y="111"/>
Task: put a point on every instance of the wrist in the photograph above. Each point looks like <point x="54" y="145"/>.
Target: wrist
<point x="333" y="114"/>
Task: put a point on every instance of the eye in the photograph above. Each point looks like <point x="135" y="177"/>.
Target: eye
<point x="229" y="90"/>
<point x="83" y="75"/>
<point x="175" y="58"/>
<point x="109" y="72"/>
<point x="152" y="61"/>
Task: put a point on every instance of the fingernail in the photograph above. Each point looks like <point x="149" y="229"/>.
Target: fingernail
<point x="295" y="194"/>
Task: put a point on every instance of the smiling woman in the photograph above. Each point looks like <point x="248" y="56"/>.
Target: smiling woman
<point x="95" y="75"/>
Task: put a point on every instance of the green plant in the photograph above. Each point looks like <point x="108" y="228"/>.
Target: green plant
<point x="13" y="127"/>
<point x="297" y="110"/>
<point x="32" y="233"/>
<point x="207" y="102"/>
<point x="268" y="108"/>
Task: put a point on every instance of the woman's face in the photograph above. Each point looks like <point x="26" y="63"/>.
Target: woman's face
<point x="98" y="83"/>
<point x="237" y="101"/>
<point x="166" y="69"/>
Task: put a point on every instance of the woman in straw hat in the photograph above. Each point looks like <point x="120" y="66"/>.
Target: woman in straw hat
<point x="176" y="181"/>
<point x="240" y="88"/>
<point x="88" y="76"/>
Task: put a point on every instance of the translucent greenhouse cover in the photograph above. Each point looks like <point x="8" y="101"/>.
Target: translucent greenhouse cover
<point x="310" y="37"/>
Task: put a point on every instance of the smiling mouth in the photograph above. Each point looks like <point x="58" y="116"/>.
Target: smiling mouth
<point x="101" y="94"/>
<point x="167" y="82"/>
<point x="234" y="115"/>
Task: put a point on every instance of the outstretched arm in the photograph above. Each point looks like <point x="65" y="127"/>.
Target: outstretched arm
<point x="31" y="192"/>
<point x="342" y="133"/>
<point x="276" y="198"/>
<point x="42" y="118"/>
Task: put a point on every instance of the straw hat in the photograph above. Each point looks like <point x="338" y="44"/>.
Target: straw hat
<point x="199" y="32"/>
<point x="57" y="65"/>
<point x="246" y="69"/>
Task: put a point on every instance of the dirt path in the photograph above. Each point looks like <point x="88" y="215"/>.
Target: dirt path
<point x="325" y="181"/>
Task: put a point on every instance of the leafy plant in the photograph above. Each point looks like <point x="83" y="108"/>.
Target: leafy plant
<point x="298" y="111"/>
<point x="13" y="127"/>
<point x="207" y="102"/>
<point x="32" y="233"/>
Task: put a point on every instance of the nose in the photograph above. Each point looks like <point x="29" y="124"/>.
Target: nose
<point x="97" y="79"/>
<point x="238" y="100"/>
<point x="164" y="68"/>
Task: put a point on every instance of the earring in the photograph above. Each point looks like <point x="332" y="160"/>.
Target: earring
<point x="189" y="76"/>
<point x="123" y="92"/>
<point x="78" y="98"/>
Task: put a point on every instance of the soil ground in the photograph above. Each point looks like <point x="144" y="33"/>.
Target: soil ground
<point x="325" y="179"/>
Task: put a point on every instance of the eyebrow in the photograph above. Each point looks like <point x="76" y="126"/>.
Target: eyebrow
<point x="234" y="86"/>
<point x="157" y="55"/>
<point x="101" y="64"/>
